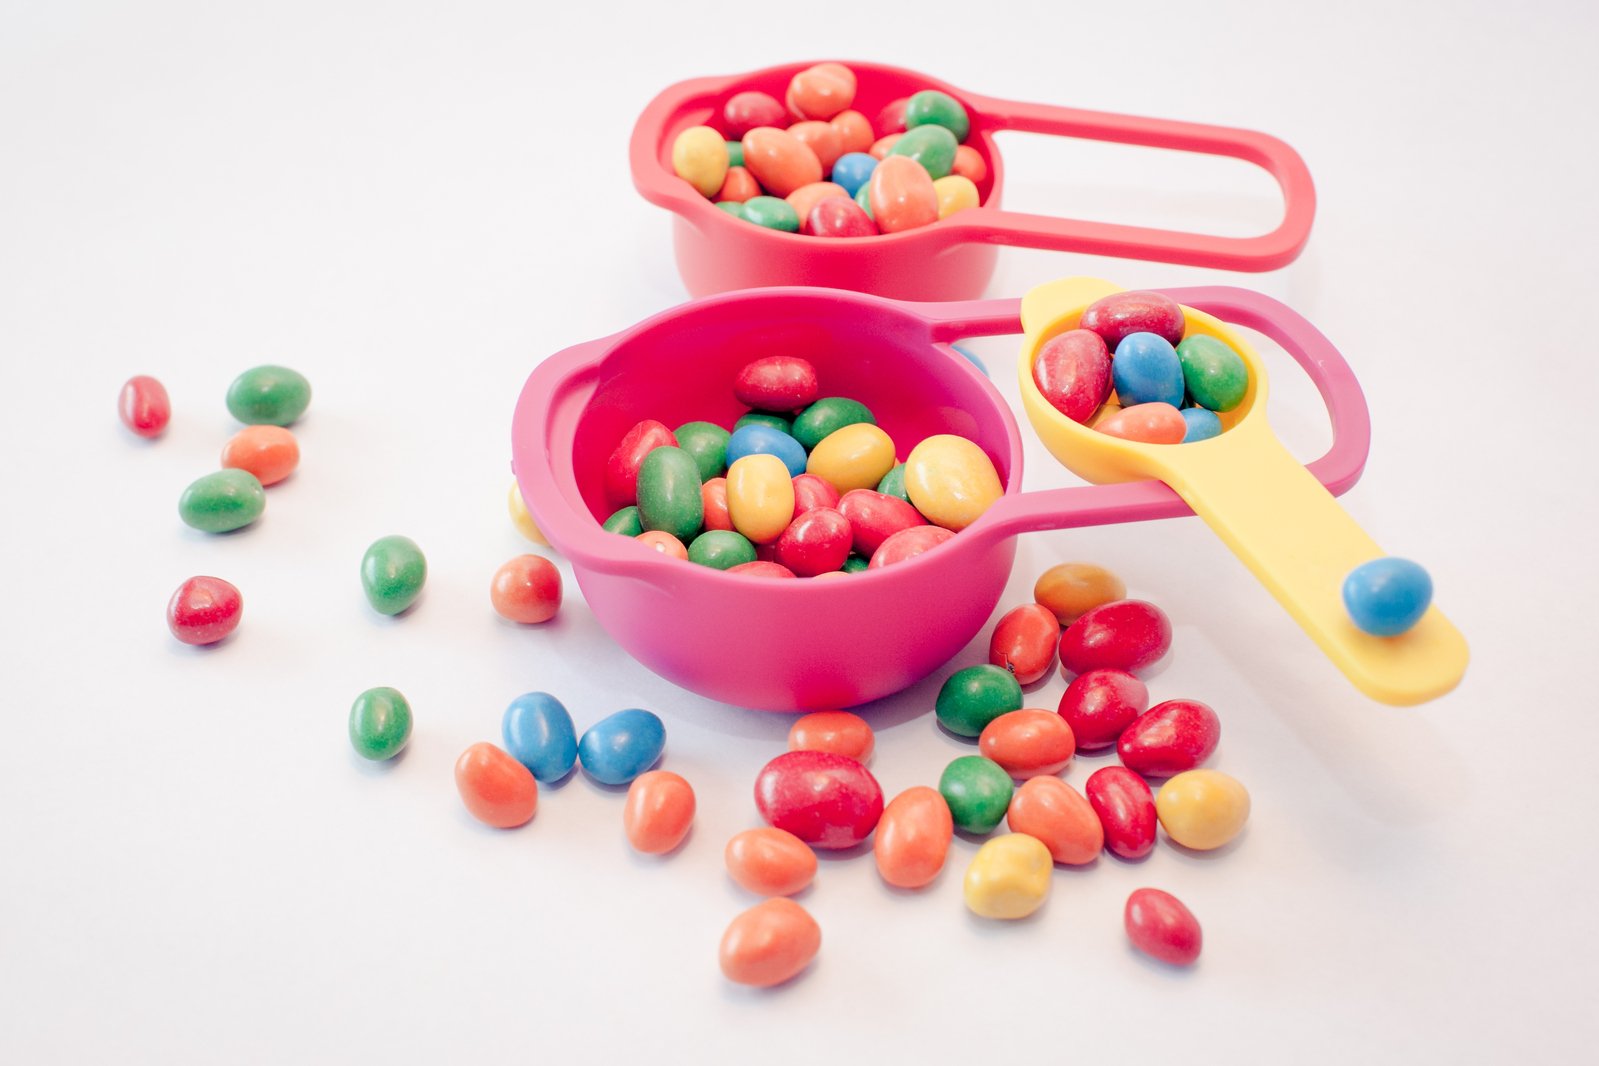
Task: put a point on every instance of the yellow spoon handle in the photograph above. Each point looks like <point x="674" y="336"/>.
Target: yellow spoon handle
<point x="1287" y="528"/>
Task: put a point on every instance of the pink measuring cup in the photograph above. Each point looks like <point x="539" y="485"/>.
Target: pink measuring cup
<point x="809" y="644"/>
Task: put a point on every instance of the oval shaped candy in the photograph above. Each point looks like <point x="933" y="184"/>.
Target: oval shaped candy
<point x="828" y="801"/>
<point x="380" y="724"/>
<point x="699" y="157"/>
<point x="1387" y="596"/>
<point x="756" y="439"/>
<point x="721" y="549"/>
<point x="955" y="193"/>
<point x="970" y="164"/>
<point x="763" y="418"/>
<point x="777" y="383"/>
<point x="713" y="500"/>
<point x="1116" y="316"/>
<point x="971" y="698"/>
<point x="393" y="571"/>
<point x="874" y="517"/>
<point x="880" y="148"/>
<point x="779" y="161"/>
<point x="770" y="212"/>
<point x="770" y="862"/>
<point x="840" y="217"/>
<point x="746" y="110"/>
<point x="1124" y="635"/>
<point x="1202" y="809"/>
<point x="855" y="456"/>
<point x="621" y="469"/>
<point x="269" y="452"/>
<point x="806" y="198"/>
<point x="669" y="493"/>
<point x="526" y="590"/>
<point x="838" y="732"/>
<point x="1169" y="738"/>
<point x="951" y="480"/>
<point x="854" y="169"/>
<point x="659" y="812"/>
<point x="497" y="790"/>
<point x="1161" y="927"/>
<point x="1028" y="743"/>
<point x="144" y="407"/>
<point x="1147" y="423"/>
<point x="913" y="838"/>
<point x="768" y="944"/>
<point x="811" y="492"/>
<point x="1024" y="642"/>
<point x="706" y="442"/>
<point x="901" y="195"/>
<point x="538" y="733"/>
<point x="659" y="540"/>
<point x="822" y="139"/>
<point x="1146" y="370"/>
<point x="978" y="791"/>
<point x="1126" y="810"/>
<point x="624" y="522"/>
<point x="1009" y="877"/>
<point x="1055" y="813"/>
<point x="619" y="747"/>
<point x="1071" y="590"/>
<point x="738" y="188"/>
<point x="221" y="502"/>
<point x="907" y="544"/>
<point x="1072" y="370"/>
<point x="1199" y="424"/>
<point x="763" y="568"/>
<point x="760" y="497"/>
<point x="1100" y="704"/>
<point x="814" y="543"/>
<point x="931" y="107"/>
<point x="1213" y="373"/>
<point x="854" y="135"/>
<point x="931" y="146"/>
<point x="893" y="483"/>
<point x="892" y="118"/>
<point x="269" y="395"/>
<point x="204" y="610"/>
<point x="821" y="91"/>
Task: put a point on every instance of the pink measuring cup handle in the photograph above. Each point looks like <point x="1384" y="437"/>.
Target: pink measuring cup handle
<point x="1265" y="252"/>
<point x="1137" y="501"/>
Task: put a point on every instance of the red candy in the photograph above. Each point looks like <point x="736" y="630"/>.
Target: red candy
<point x="204" y="610"/>
<point x="815" y="542"/>
<point x="839" y="216"/>
<point x="908" y="543"/>
<point x="1170" y="738"/>
<point x="1100" y="704"/>
<point x="811" y="492"/>
<point x="713" y="497"/>
<point x="892" y="118"/>
<point x="1160" y="926"/>
<point x="1114" y="317"/>
<point x="777" y="383"/>
<point x="143" y="406"/>
<point x="761" y="568"/>
<point x="1124" y="635"/>
<point x="1126" y="810"/>
<point x="1073" y="372"/>
<point x="829" y="801"/>
<point x="745" y="111"/>
<point x="876" y="516"/>
<point x="1024" y="642"/>
<point x="621" y="469"/>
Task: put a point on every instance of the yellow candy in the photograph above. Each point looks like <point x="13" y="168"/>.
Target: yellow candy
<point x="855" y="457"/>
<point x="951" y="481"/>
<point x="760" y="497"/>
<point x="521" y="519"/>
<point x="699" y="156"/>
<point x="1009" y="877"/>
<point x="1202" y="809"/>
<point x="955" y="193"/>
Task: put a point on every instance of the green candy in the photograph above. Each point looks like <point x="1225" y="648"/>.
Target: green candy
<point x="733" y="208"/>
<point x="764" y="418"/>
<point x="392" y="572"/>
<point x="826" y="415"/>
<point x="626" y="522"/>
<point x="1214" y="374"/>
<point x="222" y="502"/>
<point x="669" y="493"/>
<point x="931" y="146"/>
<point x="855" y="564"/>
<point x="863" y="197"/>
<point x="772" y="213"/>
<point x="721" y="549"/>
<point x="269" y="396"/>
<point x="735" y="152"/>
<point x="978" y="792"/>
<point x="707" y="443"/>
<point x="975" y="696"/>
<point x="893" y="483"/>
<point x="933" y="108"/>
<point x="380" y="724"/>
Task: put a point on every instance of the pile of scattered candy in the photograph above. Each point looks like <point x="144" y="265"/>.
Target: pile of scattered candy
<point x="813" y="165"/>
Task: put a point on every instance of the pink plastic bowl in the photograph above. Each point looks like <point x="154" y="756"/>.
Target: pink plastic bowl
<point x="811" y="644"/>
<point x="952" y="259"/>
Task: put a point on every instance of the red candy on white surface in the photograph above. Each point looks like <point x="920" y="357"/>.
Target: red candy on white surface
<point x="1125" y="635"/>
<point x="1160" y="926"/>
<point x="1126" y="810"/>
<point x="204" y="610"/>
<point x="1099" y="705"/>
<point x="1170" y="738"/>
<point x="829" y="801"/>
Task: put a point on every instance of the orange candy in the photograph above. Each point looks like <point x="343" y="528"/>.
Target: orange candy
<point x="769" y="943"/>
<point x="664" y="542"/>
<point x="854" y="131"/>
<point x="880" y="147"/>
<point x="713" y="494"/>
<point x="1150" y="423"/>
<point x="821" y="138"/>
<point x="903" y="197"/>
<point x="1071" y="590"/>
<point x="913" y="837"/>
<point x="969" y="164"/>
<point x="738" y="186"/>
<point x="498" y="790"/>
<point x="527" y="589"/>
<point x="269" y="452"/>
<point x="806" y="197"/>
<point x="770" y="862"/>
<point x="1057" y="814"/>
<point x="1028" y="743"/>
<point x="1024" y="642"/>
<point x="779" y="161"/>
<point x="821" y="91"/>
<point x="839" y="732"/>
<point x="659" y="812"/>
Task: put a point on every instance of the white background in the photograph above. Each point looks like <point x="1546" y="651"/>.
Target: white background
<point x="415" y="204"/>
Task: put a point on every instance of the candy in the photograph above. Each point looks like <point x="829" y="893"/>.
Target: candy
<point x="821" y="91"/>
<point x="971" y="698"/>
<point x="222" y="502"/>
<point x="931" y="146"/>
<point x="762" y="568"/>
<point x="1214" y="374"/>
<point x="901" y="195"/>
<point x="527" y="589"/>
<point x="625" y="522"/>
<point x="621" y="469"/>
<point x="706" y="444"/>
<point x="854" y="135"/>
<point x="978" y="791"/>
<point x="1071" y="590"/>
<point x="204" y="610"/>
<point x="933" y="108"/>
<point x="1202" y="809"/>
<point x="770" y="862"/>
<point x="893" y="483"/>
<point x="733" y="208"/>
<point x="1149" y="423"/>
<point x="772" y="213"/>
<point x="747" y="110"/>
<point x="1125" y="808"/>
<point x="1146" y="370"/>
<point x="521" y="519"/>
<point x="713" y="500"/>
<point x="853" y="170"/>
<point x="497" y="790"/>
<point x="392" y="573"/>
<point x="269" y="395"/>
<point x="1161" y="927"/>
<point x="1115" y="316"/>
<point x="768" y="944"/>
<point x="855" y="564"/>
<point x="1124" y="635"/>
<point x="955" y="193"/>
<point x="1100" y="704"/>
<point x="907" y="544"/>
<point x="760" y="496"/>
<point x="779" y="161"/>
<point x="807" y="197"/>
<point x="863" y="200"/>
<point x="1009" y="877"/>
<point x="1072" y="370"/>
<point x="763" y="440"/>
<point x="1199" y="424"/>
<point x="839" y="217"/>
<point x="892" y="118"/>
<point x="538" y="733"/>
<point x="669" y="493"/>
<point x="970" y="164"/>
<point x="814" y="543"/>
<point x="735" y="156"/>
<point x="883" y="145"/>
<point x="951" y="481"/>
<point x="828" y="801"/>
<point x="1024" y="642"/>
<point x="853" y="457"/>
<point x="618" y="748"/>
<point x="661" y="541"/>
<point x="1169" y="738"/>
<point x="1028" y="743"/>
<point x="721" y="549"/>
<point x="763" y="418"/>
<point x="699" y="157"/>
<point x="826" y="416"/>
<point x="838" y="732"/>
<point x="144" y="407"/>
<point x="776" y="383"/>
<point x="658" y="813"/>
<point x="1059" y="817"/>
<point x="1386" y="597"/>
<point x="874" y="517"/>
<point x="913" y="838"/>
<point x="811" y="492"/>
<point x="738" y="187"/>
<point x="822" y="139"/>
<point x="380" y="724"/>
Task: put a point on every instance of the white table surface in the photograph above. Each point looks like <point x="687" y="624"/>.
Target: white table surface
<point x="415" y="203"/>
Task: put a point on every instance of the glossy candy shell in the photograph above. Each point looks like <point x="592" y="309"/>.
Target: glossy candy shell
<point x="1125" y="635"/>
<point x="1059" y="816"/>
<point x="770" y="943"/>
<point x="538" y="733"/>
<point x="393" y="571"/>
<point x="1161" y="927"/>
<point x="380" y="724"/>
<point x="204" y="610"/>
<point x="1024" y="642"/>
<point x="269" y="395"/>
<point x="770" y="862"/>
<point x="222" y="502"/>
<point x="913" y="838"/>
<point x="144" y="407"/>
<point x="828" y="801"/>
<point x="618" y="748"/>
<point x="497" y="790"/>
<point x="659" y="812"/>
<point x="838" y="732"/>
<point x="1126" y="810"/>
<point x="1169" y="738"/>
<point x="1028" y="743"/>
<point x="1100" y="704"/>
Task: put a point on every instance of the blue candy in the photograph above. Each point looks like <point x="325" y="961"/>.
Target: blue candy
<point x="1202" y="424"/>
<point x="539" y="734"/>
<point x="853" y="170"/>
<point x="971" y="357"/>
<point x="617" y="749"/>
<point x="1146" y="370"/>
<point x="1387" y="596"/>
<point x="764" y="440"/>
